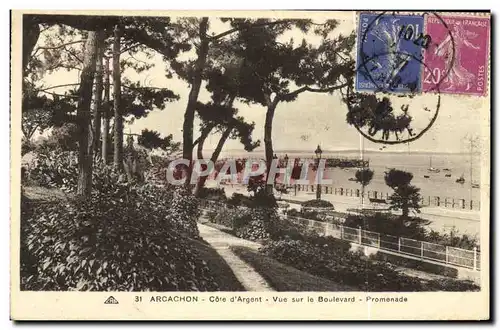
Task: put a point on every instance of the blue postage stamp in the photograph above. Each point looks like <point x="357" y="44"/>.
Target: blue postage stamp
<point x="388" y="58"/>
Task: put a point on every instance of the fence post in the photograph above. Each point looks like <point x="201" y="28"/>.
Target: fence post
<point x="475" y="259"/>
<point x="399" y="244"/>
<point x="378" y="243"/>
<point x="471" y="204"/>
<point x="359" y="235"/>
<point x="463" y="203"/>
<point x="422" y="249"/>
<point x="341" y="232"/>
<point x="446" y="254"/>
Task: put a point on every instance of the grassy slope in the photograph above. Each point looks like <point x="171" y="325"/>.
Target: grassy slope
<point x="286" y="278"/>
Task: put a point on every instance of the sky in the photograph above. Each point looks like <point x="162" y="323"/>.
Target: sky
<point x="312" y="118"/>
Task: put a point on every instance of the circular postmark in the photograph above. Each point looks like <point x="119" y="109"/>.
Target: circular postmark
<point x="398" y="43"/>
<point x="401" y="119"/>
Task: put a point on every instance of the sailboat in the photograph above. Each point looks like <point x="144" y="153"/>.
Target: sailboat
<point x="461" y="180"/>
<point x="432" y="169"/>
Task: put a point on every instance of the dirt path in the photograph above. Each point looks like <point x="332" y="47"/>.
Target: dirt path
<point x="220" y="241"/>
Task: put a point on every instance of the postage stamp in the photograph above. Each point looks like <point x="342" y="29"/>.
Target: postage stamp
<point x="389" y="52"/>
<point x="272" y="188"/>
<point x="459" y="50"/>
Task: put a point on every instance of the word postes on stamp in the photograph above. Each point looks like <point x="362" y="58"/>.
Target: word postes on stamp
<point x="459" y="50"/>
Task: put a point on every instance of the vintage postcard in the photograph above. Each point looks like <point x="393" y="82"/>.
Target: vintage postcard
<point x="264" y="165"/>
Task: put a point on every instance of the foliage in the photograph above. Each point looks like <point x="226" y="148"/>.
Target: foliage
<point x="332" y="261"/>
<point x="63" y="138"/>
<point x="238" y="199"/>
<point x="364" y="176"/>
<point x="152" y="140"/>
<point x="119" y="240"/>
<point x="317" y="203"/>
<point x="453" y="238"/>
<point x="416" y="228"/>
<point x="185" y="212"/>
<point x="215" y="194"/>
<point x="397" y="178"/>
<point x="390" y="224"/>
<point x="53" y="168"/>
<point x="405" y="196"/>
<point x="261" y="199"/>
<point x="248" y="223"/>
<point x="35" y="119"/>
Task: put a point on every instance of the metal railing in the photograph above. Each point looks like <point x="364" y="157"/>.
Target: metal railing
<point x="402" y="245"/>
<point x="421" y="249"/>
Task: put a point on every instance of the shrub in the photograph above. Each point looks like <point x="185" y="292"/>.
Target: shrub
<point x="214" y="194"/>
<point x="327" y="257"/>
<point x="113" y="242"/>
<point x="414" y="228"/>
<point x="240" y="200"/>
<point x="317" y="203"/>
<point x="185" y="212"/>
<point x="255" y="230"/>
<point x="54" y="169"/>
<point x="390" y="224"/>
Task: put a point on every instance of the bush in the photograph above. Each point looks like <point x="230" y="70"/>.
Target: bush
<point x="390" y="224"/>
<point x="240" y="200"/>
<point x="54" y="169"/>
<point x="329" y="258"/>
<point x="185" y="212"/>
<point x="414" y="228"/>
<point x="317" y="203"/>
<point x="213" y="194"/>
<point x="120" y="241"/>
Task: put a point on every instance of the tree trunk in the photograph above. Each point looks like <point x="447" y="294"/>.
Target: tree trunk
<point x="98" y="96"/>
<point x="118" y="138"/>
<point x="106" y="112"/>
<point x="83" y="115"/>
<point x="202" y="138"/>
<point x="31" y="32"/>
<point x="187" y="131"/>
<point x="213" y="159"/>
<point x="268" y="141"/>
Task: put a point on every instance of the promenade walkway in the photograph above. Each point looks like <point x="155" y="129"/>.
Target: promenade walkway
<point x="220" y="241"/>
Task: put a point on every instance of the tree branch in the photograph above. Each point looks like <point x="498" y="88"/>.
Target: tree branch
<point x="60" y="95"/>
<point x="130" y="48"/>
<point x="228" y="32"/>
<point x="57" y="86"/>
<point x="310" y="89"/>
<point x="60" y="46"/>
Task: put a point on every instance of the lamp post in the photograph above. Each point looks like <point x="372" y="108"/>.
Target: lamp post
<point x="318" y="153"/>
<point x="286" y="181"/>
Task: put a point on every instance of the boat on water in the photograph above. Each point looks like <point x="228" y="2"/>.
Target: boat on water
<point x="461" y="180"/>
<point x="475" y="185"/>
<point x="448" y="175"/>
<point x="432" y="169"/>
<point x="446" y="170"/>
<point x="426" y="176"/>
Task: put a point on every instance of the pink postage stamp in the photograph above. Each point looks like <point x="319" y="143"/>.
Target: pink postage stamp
<point x="456" y="61"/>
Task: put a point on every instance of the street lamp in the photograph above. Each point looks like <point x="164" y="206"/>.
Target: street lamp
<point x="318" y="153"/>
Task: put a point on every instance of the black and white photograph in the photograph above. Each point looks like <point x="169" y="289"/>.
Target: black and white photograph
<point x="340" y="153"/>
